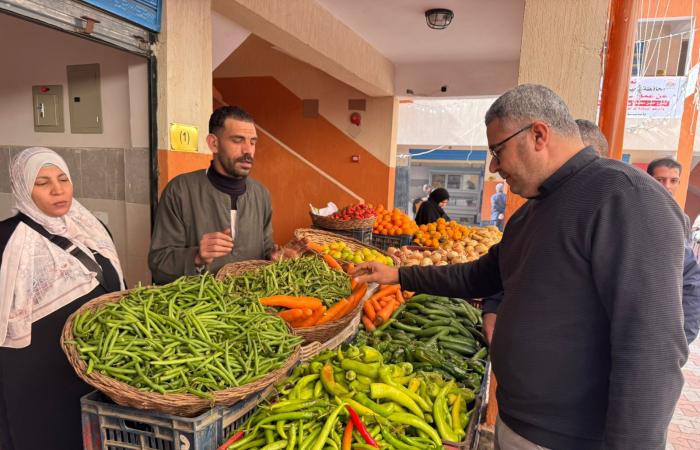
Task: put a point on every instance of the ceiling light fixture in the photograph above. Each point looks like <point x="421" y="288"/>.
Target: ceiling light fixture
<point x="438" y="18"/>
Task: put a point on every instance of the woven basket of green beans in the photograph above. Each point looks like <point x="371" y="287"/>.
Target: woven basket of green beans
<point x="180" y="348"/>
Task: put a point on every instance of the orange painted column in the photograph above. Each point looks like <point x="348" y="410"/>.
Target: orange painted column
<point x="618" y="66"/>
<point x="686" y="139"/>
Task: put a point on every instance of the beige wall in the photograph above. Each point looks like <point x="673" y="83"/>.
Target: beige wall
<point x="256" y="57"/>
<point x="561" y="48"/>
<point x="184" y="56"/>
<point x="309" y="32"/>
<point x="36" y="55"/>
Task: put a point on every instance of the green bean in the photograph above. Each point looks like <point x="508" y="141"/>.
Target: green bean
<point x="193" y="335"/>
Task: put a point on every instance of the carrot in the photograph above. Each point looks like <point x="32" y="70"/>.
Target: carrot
<point x="353" y="283"/>
<point x="386" y="290"/>
<point x="408" y="294"/>
<point x="291" y="302"/>
<point x="350" y="268"/>
<point x="333" y="312"/>
<point x="332" y="263"/>
<point x="314" y="246"/>
<point x="375" y="304"/>
<point x="399" y="297"/>
<point x="358" y="294"/>
<point x="311" y="321"/>
<point x="292" y="314"/>
<point x="369" y="326"/>
<point x="385" y="312"/>
<point x="369" y="311"/>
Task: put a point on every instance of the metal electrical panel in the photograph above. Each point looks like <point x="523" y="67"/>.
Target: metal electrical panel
<point x="47" y="102"/>
<point x="84" y="100"/>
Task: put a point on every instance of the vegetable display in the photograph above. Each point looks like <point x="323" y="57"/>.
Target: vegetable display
<point x="359" y="211"/>
<point x="434" y="334"/>
<point x="195" y="335"/>
<point x="340" y="250"/>
<point x="381" y="305"/>
<point x="301" y="277"/>
<point x="451" y="236"/>
<point x="350" y="398"/>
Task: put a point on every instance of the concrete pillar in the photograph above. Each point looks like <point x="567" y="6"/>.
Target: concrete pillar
<point x="561" y="48"/>
<point x="184" y="70"/>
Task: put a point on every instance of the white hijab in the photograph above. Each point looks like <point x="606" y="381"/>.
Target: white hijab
<point x="36" y="276"/>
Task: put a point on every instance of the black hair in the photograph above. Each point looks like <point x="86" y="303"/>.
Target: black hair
<point x="218" y="117"/>
<point x="664" y="162"/>
<point x="439" y="195"/>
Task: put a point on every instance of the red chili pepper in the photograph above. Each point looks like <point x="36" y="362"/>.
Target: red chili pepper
<point x="361" y="427"/>
<point x="231" y="440"/>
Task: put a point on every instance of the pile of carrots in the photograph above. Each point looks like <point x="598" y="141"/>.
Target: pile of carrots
<point x="303" y="312"/>
<point x="382" y="304"/>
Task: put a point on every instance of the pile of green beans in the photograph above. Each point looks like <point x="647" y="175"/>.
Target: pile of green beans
<point x="306" y="277"/>
<point x="194" y="335"/>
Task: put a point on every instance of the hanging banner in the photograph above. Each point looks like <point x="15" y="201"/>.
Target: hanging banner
<point x="656" y="97"/>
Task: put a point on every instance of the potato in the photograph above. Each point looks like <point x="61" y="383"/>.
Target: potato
<point x="426" y="262"/>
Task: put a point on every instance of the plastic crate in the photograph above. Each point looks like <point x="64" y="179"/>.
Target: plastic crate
<point x="471" y="440"/>
<point x="384" y="241"/>
<point x="107" y="426"/>
<point x="362" y="235"/>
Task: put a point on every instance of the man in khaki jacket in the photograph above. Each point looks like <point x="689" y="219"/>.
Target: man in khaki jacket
<point x="209" y="218"/>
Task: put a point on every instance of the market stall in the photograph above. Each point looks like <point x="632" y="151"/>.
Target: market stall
<point x="290" y="354"/>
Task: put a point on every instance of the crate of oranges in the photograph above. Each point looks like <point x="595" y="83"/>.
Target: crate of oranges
<point x="393" y="228"/>
<point x="433" y="234"/>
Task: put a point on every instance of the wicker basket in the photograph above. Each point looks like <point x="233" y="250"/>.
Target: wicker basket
<point x="326" y="237"/>
<point x="239" y="268"/>
<point x="334" y="224"/>
<point x="318" y="333"/>
<point x="185" y="405"/>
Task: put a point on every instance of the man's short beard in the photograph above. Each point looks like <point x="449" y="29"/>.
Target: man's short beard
<point x="232" y="171"/>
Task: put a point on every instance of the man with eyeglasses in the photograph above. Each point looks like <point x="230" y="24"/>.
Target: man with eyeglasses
<point x="589" y="344"/>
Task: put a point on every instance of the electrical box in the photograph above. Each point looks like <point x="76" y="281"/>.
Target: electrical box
<point x="47" y="102"/>
<point x="84" y="99"/>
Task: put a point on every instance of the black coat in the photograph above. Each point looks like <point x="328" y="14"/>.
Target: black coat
<point x="429" y="212"/>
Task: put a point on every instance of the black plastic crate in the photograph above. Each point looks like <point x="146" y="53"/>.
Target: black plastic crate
<point x="362" y="235"/>
<point x="384" y="241"/>
<point x="108" y="426"/>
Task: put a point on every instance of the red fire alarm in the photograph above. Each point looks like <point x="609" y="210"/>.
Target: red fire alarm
<point x="44" y="89"/>
<point x="356" y="118"/>
<point x="355" y="158"/>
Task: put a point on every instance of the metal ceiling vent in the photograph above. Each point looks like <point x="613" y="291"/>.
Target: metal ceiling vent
<point x="439" y="18"/>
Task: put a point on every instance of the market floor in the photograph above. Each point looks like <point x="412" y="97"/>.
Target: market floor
<point x="684" y="431"/>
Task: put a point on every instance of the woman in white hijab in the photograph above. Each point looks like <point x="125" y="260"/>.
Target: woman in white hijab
<point x="56" y="256"/>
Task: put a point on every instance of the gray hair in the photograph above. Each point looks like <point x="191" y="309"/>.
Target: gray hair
<point x="529" y="102"/>
<point x="591" y="135"/>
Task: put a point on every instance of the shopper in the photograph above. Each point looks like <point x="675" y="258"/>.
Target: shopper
<point x="589" y="344"/>
<point x="433" y="208"/>
<point x="667" y="171"/>
<point x="209" y="218"/>
<point x="41" y="284"/>
<point x="592" y="137"/>
<point x="498" y="206"/>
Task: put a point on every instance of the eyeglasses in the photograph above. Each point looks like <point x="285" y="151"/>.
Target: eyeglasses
<point x="496" y="148"/>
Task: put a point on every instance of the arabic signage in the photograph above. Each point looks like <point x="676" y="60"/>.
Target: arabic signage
<point x="656" y="97"/>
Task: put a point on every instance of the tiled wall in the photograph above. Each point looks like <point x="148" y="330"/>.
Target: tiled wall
<point x="112" y="183"/>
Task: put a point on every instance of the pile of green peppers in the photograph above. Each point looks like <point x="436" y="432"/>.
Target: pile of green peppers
<point x="436" y="334"/>
<point x="398" y="407"/>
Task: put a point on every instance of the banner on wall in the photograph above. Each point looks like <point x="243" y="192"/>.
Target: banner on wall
<point x="656" y="97"/>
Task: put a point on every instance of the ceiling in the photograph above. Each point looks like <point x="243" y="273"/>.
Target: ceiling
<point x="482" y="30"/>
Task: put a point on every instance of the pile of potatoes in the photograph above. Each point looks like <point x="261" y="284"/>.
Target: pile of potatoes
<point x="436" y="257"/>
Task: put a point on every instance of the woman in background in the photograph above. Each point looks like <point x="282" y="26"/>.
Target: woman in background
<point x="433" y="208"/>
<point x="56" y="256"/>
